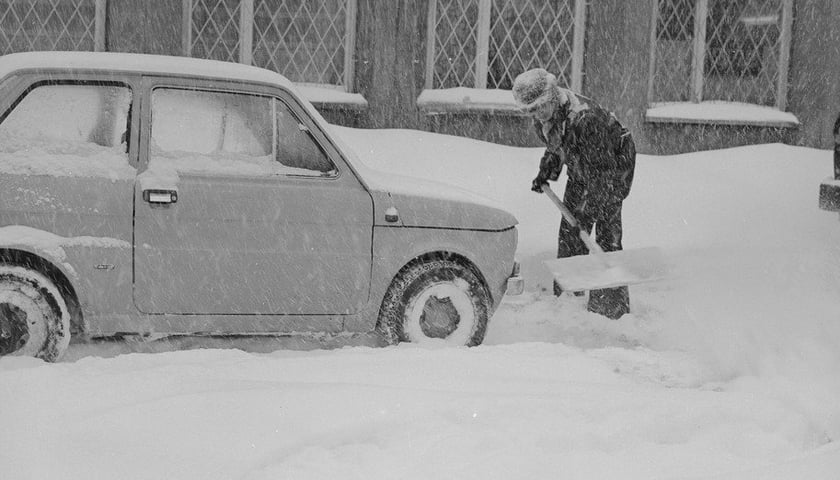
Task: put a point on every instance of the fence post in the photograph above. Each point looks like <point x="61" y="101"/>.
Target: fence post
<point x="699" y="57"/>
<point x="578" y="45"/>
<point x="482" y="44"/>
<point x="246" y="31"/>
<point x="99" y="26"/>
<point x="784" y="55"/>
<point x="654" y="47"/>
<point x="430" y="44"/>
<point x="186" y="28"/>
<point x="350" y="46"/>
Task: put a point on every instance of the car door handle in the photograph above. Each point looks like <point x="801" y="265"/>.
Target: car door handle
<point x="158" y="197"/>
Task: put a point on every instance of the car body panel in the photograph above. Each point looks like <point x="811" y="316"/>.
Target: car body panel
<point x="424" y="203"/>
<point x="395" y="247"/>
<point x="286" y="244"/>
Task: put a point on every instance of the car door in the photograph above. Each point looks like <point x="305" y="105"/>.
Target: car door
<point x="68" y="167"/>
<point x="244" y="207"/>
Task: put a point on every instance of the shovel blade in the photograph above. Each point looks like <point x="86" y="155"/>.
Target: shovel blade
<point x="614" y="269"/>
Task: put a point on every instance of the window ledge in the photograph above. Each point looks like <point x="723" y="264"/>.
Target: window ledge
<point x="332" y="97"/>
<point x="720" y="113"/>
<point x="467" y="100"/>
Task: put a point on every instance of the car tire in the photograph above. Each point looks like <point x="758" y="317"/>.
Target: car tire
<point x="435" y="301"/>
<point x="34" y="320"/>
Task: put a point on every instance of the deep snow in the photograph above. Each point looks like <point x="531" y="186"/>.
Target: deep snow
<point x="726" y="370"/>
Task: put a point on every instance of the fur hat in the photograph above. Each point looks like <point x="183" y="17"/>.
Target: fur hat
<point x="533" y="88"/>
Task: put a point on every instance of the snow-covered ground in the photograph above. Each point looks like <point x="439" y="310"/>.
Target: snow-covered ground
<point x="728" y="370"/>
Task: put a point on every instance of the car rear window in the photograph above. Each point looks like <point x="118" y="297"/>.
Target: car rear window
<point x="79" y="129"/>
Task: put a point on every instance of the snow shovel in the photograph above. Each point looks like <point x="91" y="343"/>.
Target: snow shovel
<point x="602" y="269"/>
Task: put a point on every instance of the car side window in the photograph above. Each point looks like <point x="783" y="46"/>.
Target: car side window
<point x="229" y="134"/>
<point x="295" y="146"/>
<point x="69" y="119"/>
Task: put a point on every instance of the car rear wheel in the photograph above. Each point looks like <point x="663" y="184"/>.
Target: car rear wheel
<point x="436" y="301"/>
<point x="34" y="320"/>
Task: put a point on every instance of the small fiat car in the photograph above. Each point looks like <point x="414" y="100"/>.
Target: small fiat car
<point x="161" y="195"/>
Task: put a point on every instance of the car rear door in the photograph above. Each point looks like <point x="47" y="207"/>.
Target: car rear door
<point x="244" y="207"/>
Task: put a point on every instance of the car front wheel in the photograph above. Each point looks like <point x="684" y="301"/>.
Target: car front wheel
<point x="436" y="301"/>
<point x="33" y="315"/>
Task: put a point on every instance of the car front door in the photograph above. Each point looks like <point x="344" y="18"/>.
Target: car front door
<point x="244" y="207"/>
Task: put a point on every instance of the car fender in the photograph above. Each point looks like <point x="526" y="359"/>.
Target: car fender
<point x="40" y="243"/>
<point x="492" y="254"/>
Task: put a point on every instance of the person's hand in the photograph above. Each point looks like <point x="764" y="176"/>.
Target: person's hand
<point x="538" y="182"/>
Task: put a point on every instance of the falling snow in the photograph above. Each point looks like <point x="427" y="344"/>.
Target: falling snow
<point x="725" y="370"/>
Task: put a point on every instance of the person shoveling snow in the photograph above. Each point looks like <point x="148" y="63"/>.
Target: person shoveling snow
<point x="600" y="158"/>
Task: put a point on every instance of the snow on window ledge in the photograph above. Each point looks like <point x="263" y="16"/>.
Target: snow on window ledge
<point x="720" y="113"/>
<point x="331" y="96"/>
<point x="467" y="100"/>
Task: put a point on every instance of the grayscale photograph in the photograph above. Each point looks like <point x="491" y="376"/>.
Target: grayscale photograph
<point x="420" y="239"/>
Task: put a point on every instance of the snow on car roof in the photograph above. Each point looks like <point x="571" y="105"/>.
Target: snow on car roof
<point x="139" y="63"/>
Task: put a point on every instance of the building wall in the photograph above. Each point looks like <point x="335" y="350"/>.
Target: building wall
<point x="814" y="94"/>
<point x="616" y="70"/>
<point x="148" y="26"/>
<point x="390" y="70"/>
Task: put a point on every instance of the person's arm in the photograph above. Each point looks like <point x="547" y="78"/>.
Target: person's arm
<point x="551" y="162"/>
<point x="550" y="166"/>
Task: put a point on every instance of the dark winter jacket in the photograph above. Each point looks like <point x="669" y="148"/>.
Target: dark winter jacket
<point x="597" y="150"/>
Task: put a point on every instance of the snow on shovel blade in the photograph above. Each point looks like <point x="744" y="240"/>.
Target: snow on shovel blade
<point x="611" y="269"/>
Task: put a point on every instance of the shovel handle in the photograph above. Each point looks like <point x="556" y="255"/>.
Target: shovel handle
<point x="567" y="214"/>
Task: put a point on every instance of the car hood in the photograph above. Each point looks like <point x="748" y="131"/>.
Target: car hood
<point x="425" y="203"/>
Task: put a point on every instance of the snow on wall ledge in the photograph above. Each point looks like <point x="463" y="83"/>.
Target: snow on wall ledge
<point x="723" y="113"/>
<point x="326" y="95"/>
<point x="461" y="99"/>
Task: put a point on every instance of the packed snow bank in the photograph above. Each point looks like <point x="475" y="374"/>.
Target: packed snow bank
<point x="727" y="370"/>
<point x="756" y="265"/>
<point x="529" y="410"/>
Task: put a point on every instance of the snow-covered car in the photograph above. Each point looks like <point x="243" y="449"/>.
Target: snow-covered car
<point x="830" y="187"/>
<point x="162" y="195"/>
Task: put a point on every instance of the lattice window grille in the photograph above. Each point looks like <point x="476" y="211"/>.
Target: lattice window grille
<point x="726" y="50"/>
<point x="308" y="41"/>
<point x="27" y="25"/>
<point x="303" y="40"/>
<point x="214" y="29"/>
<point x="486" y="43"/>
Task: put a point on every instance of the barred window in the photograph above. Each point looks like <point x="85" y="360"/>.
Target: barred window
<point x="486" y="43"/>
<point x="308" y="41"/>
<point x="724" y="50"/>
<point x="52" y="25"/>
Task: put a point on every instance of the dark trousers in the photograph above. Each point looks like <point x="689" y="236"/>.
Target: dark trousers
<point x="606" y="217"/>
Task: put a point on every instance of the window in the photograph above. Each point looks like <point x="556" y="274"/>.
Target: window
<point x="487" y="43"/>
<point x="69" y="129"/>
<point x="308" y="41"/>
<point x="69" y="119"/>
<point x="724" y="50"/>
<point x="52" y="25"/>
<point x="232" y="134"/>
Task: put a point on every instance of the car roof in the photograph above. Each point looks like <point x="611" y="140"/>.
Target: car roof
<point x="139" y="63"/>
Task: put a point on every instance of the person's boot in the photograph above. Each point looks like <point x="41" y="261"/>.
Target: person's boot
<point x="612" y="303"/>
<point x="558" y="290"/>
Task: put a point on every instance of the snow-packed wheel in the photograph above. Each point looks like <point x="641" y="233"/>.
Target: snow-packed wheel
<point x="34" y="320"/>
<point x="436" y="301"/>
